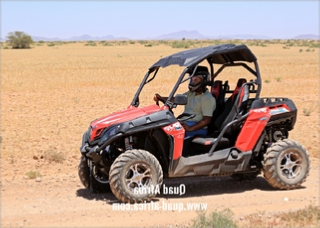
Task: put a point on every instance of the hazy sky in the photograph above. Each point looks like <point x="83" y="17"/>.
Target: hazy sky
<point x="147" y="19"/>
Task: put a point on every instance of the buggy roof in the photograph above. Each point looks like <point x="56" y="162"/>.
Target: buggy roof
<point x="220" y="54"/>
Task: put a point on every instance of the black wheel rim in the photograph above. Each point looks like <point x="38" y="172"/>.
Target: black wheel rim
<point x="100" y="176"/>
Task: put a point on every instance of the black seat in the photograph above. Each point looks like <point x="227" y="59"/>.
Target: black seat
<point x="204" y="143"/>
<point x="218" y="92"/>
<point x="230" y="109"/>
<point x="229" y="113"/>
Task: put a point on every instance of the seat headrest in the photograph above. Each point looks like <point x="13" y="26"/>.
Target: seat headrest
<point x="216" y="88"/>
<point x="241" y="81"/>
<point x="217" y="83"/>
<point x="257" y="104"/>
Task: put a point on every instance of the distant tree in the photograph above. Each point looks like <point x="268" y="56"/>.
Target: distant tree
<point x="19" y="40"/>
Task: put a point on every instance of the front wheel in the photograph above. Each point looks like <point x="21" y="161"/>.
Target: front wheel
<point x="136" y="176"/>
<point x="98" y="182"/>
<point x="286" y="164"/>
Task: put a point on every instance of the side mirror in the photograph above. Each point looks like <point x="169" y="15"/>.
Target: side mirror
<point x="180" y="99"/>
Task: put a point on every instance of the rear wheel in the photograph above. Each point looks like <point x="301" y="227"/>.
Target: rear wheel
<point x="286" y="164"/>
<point x="99" y="180"/>
<point x="136" y="176"/>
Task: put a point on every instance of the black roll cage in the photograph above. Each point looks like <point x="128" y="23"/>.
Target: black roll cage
<point x="228" y="55"/>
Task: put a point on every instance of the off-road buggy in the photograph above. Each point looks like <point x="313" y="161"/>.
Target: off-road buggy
<point x="133" y="150"/>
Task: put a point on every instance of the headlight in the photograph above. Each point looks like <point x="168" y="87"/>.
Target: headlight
<point x="112" y="131"/>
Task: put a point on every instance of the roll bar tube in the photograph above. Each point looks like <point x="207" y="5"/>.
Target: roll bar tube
<point x="223" y="131"/>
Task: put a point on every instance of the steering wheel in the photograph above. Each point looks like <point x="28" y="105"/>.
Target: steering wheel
<point x="185" y="116"/>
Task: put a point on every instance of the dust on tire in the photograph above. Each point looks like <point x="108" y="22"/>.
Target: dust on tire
<point x="286" y="164"/>
<point x="84" y="175"/>
<point x="135" y="169"/>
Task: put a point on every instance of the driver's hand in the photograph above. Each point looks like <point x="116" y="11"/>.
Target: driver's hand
<point x="185" y="126"/>
<point x="156" y="97"/>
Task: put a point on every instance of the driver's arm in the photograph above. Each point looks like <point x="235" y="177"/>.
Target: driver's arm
<point x="157" y="97"/>
<point x="201" y="124"/>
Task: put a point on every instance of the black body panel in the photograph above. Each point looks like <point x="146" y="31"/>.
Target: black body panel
<point x="226" y="162"/>
<point x="152" y="121"/>
<point x="283" y="118"/>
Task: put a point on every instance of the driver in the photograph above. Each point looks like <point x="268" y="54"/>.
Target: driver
<point x="200" y="102"/>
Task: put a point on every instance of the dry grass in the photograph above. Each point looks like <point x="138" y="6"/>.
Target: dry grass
<point x="51" y="93"/>
<point x="306" y="217"/>
<point x="52" y="155"/>
<point x="33" y="174"/>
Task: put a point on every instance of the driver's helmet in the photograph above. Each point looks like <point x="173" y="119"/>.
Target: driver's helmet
<point x="200" y="79"/>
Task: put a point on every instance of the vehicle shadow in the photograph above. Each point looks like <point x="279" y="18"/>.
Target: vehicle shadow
<point x="85" y="193"/>
<point x="192" y="187"/>
<point x="204" y="186"/>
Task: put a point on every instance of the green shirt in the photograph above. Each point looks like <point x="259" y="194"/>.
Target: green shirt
<point x="202" y="105"/>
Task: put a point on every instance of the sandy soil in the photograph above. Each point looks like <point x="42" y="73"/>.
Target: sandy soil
<point x="58" y="199"/>
<point x="49" y="96"/>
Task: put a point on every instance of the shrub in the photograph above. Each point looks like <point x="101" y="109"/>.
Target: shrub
<point x="315" y="45"/>
<point x="180" y="44"/>
<point x="301" y="218"/>
<point x="52" y="155"/>
<point x="278" y="79"/>
<point x="163" y="42"/>
<point x="142" y="42"/>
<point x="307" y="111"/>
<point x="106" y="44"/>
<point x="33" y="174"/>
<point x="90" y="43"/>
<point x="19" y="40"/>
<point x="215" y="219"/>
<point x="307" y="217"/>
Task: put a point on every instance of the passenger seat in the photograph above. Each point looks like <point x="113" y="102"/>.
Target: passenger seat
<point x="229" y="113"/>
<point x="218" y="93"/>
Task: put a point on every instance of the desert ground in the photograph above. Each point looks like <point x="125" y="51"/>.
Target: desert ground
<point x="51" y="92"/>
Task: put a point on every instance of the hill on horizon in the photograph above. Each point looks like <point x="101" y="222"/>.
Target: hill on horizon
<point x="179" y="35"/>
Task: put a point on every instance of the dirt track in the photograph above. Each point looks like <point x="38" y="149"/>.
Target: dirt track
<point x="59" y="200"/>
<point x="50" y="94"/>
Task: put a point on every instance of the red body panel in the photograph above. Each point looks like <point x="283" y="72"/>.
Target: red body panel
<point x="255" y="124"/>
<point x="129" y="113"/>
<point x="177" y="132"/>
<point x="252" y="128"/>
